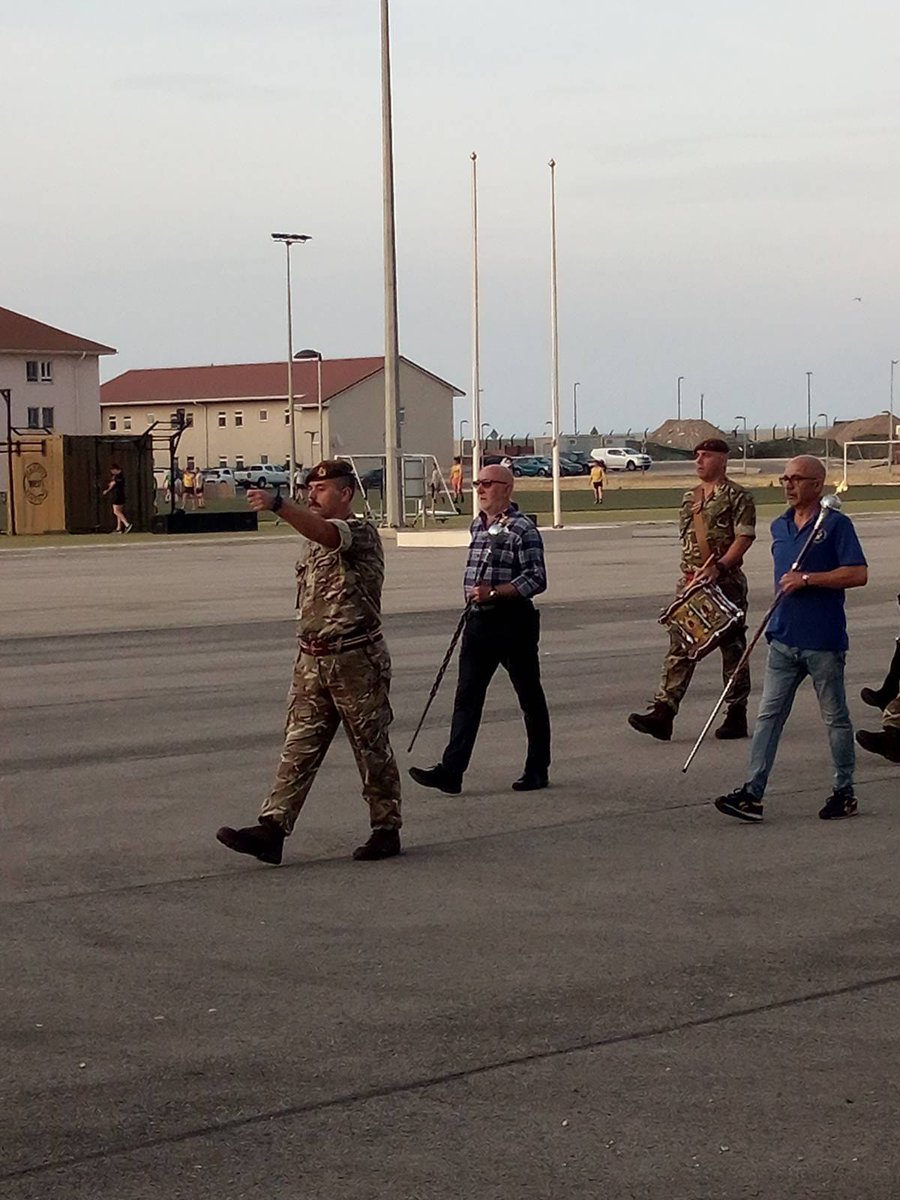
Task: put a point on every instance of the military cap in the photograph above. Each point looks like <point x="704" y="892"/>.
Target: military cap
<point x="331" y="468"/>
<point x="715" y="445"/>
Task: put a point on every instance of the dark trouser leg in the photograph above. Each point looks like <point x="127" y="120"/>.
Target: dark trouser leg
<point x="521" y="660"/>
<point x="677" y="673"/>
<point x="732" y="649"/>
<point x="891" y="684"/>
<point x="479" y="657"/>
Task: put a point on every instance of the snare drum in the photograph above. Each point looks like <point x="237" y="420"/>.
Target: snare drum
<point x="701" y="618"/>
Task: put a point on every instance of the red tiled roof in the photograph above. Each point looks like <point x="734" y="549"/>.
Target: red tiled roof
<point x="24" y="335"/>
<point x="240" y="381"/>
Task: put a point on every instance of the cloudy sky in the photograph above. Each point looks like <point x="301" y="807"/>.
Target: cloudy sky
<point x="727" y="180"/>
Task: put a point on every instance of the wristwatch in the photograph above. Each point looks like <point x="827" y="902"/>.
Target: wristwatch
<point x="805" y="579"/>
<point x="492" y="594"/>
<point x="277" y="502"/>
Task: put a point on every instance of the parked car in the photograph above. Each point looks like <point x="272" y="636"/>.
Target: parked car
<point x="622" y="458"/>
<point x="571" y="466"/>
<point x="218" y="475"/>
<point x="262" y="475"/>
<point x="532" y="464"/>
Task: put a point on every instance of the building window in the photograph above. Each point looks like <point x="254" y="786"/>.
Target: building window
<point x="264" y="458"/>
<point x="34" y="418"/>
<point x="223" y="420"/>
<point x="47" y="416"/>
<point x="223" y="461"/>
<point x="402" y="415"/>
<point x="287" y="417"/>
<point x="238" y="419"/>
<point x="37" y="371"/>
<point x="264" y="414"/>
<point x="239" y="463"/>
<point x="113" y="423"/>
<point x="126" y="422"/>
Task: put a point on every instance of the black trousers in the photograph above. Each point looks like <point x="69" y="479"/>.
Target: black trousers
<point x="506" y="634"/>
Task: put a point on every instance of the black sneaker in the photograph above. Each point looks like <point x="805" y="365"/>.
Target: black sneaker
<point x="740" y="804"/>
<point x="841" y="803"/>
<point x="383" y="843"/>
<point x="437" y="777"/>
<point x="530" y="781"/>
<point x="264" y="841"/>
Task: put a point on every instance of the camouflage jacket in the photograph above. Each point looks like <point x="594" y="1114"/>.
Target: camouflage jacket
<point x="339" y="591"/>
<point x="729" y="513"/>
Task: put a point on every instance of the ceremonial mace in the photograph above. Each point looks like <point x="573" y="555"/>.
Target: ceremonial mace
<point x="826" y="505"/>
<point x="493" y="530"/>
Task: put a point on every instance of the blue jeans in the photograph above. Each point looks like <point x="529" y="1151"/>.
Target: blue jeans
<point x="786" y="668"/>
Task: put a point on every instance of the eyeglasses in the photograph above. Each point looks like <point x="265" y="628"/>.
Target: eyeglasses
<point x="480" y="483"/>
<point x="783" y="479"/>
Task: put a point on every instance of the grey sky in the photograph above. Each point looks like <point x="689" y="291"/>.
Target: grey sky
<point x="727" y="184"/>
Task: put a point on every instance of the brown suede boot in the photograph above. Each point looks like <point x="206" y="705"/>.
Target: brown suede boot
<point x="657" y="722"/>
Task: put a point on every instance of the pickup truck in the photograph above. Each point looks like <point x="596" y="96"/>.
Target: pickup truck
<point x="261" y="475"/>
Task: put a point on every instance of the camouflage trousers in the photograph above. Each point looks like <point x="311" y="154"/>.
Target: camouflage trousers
<point x="350" y="689"/>
<point x="891" y="716"/>
<point x="678" y="669"/>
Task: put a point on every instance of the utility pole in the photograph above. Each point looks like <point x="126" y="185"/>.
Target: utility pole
<point x="393" y="466"/>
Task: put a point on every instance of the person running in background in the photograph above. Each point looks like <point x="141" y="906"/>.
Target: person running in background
<point x="597" y="481"/>
<point x="456" y="481"/>
<point x="115" y="489"/>
<point x="188" y="481"/>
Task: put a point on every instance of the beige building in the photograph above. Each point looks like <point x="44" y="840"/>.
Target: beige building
<point x="238" y="414"/>
<point x="53" y="379"/>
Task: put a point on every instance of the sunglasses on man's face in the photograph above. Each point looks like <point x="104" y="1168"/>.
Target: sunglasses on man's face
<point x="480" y="483"/>
<point x="786" y="479"/>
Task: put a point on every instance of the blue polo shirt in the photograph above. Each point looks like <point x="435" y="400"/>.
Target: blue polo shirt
<point x="813" y="618"/>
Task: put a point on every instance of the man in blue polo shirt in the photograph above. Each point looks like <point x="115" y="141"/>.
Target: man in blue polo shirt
<point x="807" y="636"/>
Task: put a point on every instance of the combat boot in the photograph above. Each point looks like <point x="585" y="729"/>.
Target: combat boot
<point x="657" y="722"/>
<point x="886" y="743"/>
<point x="383" y="843"/>
<point x="881" y="697"/>
<point x="264" y="841"/>
<point x="735" y="724"/>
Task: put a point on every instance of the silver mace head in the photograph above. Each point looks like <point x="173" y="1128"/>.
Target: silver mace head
<point x="831" y="501"/>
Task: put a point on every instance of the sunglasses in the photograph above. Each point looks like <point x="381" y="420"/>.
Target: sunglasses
<point x="783" y="479"/>
<point x="480" y="483"/>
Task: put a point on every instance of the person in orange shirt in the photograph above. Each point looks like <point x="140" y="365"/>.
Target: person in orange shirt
<point x="598" y="478"/>
<point x="456" y="481"/>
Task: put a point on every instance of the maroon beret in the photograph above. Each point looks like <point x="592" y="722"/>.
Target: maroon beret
<point x="331" y="468"/>
<point x="716" y="445"/>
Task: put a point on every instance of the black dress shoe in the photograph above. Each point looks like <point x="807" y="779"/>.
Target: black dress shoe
<point x="264" y="841"/>
<point x="383" y="843"/>
<point x="437" y="777"/>
<point x="530" y="781"/>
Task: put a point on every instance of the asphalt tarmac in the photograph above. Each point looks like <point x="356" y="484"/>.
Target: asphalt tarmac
<point x="602" y="990"/>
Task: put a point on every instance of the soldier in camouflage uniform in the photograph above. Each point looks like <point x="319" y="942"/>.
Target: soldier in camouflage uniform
<point x="343" y="670"/>
<point x="726" y="514"/>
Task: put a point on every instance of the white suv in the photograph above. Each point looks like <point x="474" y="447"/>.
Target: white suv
<point x="621" y="458"/>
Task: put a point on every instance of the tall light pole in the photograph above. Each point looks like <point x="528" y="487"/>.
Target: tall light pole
<point x="894" y="362"/>
<point x="744" y="419"/>
<point x="554" y="352"/>
<point x="288" y="240"/>
<point x="393" y="495"/>
<point x="702" y="395"/>
<point x="324" y="451"/>
<point x="476" y="343"/>
<point x="575" y="388"/>
<point x="462" y="422"/>
<point x="678" y="396"/>
<point x="827" y="427"/>
<point x="809" y="404"/>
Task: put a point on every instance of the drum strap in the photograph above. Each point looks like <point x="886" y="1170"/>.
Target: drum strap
<point x="700" y="524"/>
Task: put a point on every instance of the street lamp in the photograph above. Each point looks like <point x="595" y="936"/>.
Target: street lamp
<point x="462" y="422"/>
<point x="288" y="240"/>
<point x="827" y="427"/>
<point x="809" y="404"/>
<point x="678" y="394"/>
<point x="894" y="362"/>
<point x="575" y="388"/>
<point x="554" y="351"/>
<point x="393" y="494"/>
<point x="306" y="355"/>
<point x="744" y="419"/>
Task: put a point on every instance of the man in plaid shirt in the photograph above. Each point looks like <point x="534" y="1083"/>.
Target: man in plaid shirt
<point x="505" y="569"/>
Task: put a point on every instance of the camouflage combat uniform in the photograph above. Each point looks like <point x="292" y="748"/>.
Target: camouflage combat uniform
<point x="729" y="513"/>
<point x="339" y="600"/>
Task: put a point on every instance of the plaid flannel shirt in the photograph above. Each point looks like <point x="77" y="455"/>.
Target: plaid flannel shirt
<point x="515" y="555"/>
